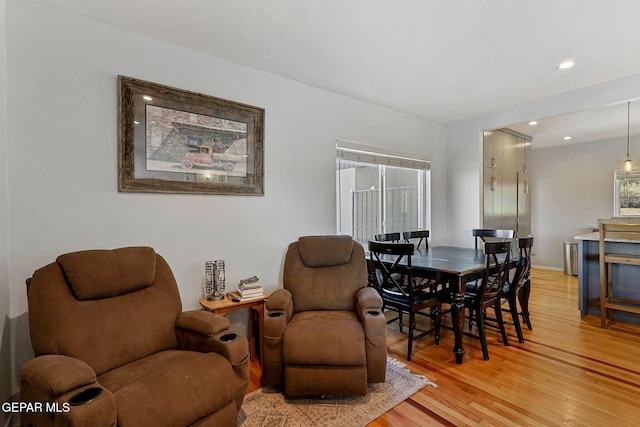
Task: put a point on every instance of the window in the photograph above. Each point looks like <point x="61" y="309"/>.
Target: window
<point x="380" y="192"/>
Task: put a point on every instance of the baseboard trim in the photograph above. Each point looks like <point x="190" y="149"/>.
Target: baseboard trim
<point x="546" y="267"/>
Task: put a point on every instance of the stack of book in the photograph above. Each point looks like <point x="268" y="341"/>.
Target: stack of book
<point x="249" y="289"/>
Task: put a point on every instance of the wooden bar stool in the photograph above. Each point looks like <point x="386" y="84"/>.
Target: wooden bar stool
<point x="608" y="302"/>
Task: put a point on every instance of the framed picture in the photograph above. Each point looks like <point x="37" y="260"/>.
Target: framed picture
<point x="626" y="193"/>
<point x="175" y="141"/>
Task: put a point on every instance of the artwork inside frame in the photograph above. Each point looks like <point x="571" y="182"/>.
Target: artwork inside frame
<point x="175" y="141"/>
<point x="627" y="193"/>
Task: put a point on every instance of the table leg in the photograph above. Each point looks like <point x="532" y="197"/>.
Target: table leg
<point x="457" y="311"/>
<point x="259" y="340"/>
<point x="252" y="332"/>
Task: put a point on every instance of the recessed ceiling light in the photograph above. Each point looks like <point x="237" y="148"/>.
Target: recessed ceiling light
<point x="566" y="64"/>
<point x="147" y="98"/>
<point x="566" y="138"/>
<point x="533" y="123"/>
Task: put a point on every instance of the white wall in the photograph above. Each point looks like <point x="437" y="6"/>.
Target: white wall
<point x="464" y="172"/>
<point x="5" y="297"/>
<point x="463" y="182"/>
<point x="573" y="189"/>
<point x="62" y="137"/>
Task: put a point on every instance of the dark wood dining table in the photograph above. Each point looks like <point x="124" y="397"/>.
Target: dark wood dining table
<point x="456" y="267"/>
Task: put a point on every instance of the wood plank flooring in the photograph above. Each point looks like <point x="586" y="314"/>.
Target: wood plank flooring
<point x="568" y="371"/>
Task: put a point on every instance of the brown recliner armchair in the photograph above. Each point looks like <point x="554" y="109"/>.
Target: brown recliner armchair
<point x="113" y="347"/>
<point x="324" y="333"/>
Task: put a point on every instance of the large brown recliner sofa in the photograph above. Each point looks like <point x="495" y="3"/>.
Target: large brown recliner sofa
<point x="113" y="320"/>
<point x="324" y="333"/>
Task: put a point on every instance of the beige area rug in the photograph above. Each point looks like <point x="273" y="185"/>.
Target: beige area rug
<point x="268" y="407"/>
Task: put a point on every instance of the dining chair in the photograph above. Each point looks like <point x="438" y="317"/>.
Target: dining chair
<point x="394" y="280"/>
<point x="387" y="237"/>
<point x="490" y="234"/>
<point x="518" y="288"/>
<point x="418" y="234"/>
<point x="384" y="237"/>
<point x="488" y="292"/>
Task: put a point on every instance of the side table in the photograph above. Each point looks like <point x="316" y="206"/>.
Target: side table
<point x="255" y="311"/>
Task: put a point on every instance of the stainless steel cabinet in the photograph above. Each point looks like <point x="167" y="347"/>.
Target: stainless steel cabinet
<point x="524" y="193"/>
<point x="492" y="197"/>
<point x="506" y="194"/>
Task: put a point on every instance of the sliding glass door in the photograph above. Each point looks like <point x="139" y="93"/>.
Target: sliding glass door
<point x="378" y="193"/>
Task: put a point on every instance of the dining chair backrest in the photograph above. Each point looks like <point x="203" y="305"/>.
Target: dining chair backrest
<point x="487" y="234"/>
<point x="391" y="275"/>
<point x="496" y="269"/>
<point x="523" y="265"/>
<point x="418" y="234"/>
<point x="387" y="237"/>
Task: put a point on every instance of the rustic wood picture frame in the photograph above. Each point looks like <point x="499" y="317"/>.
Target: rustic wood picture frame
<point x="176" y="141"/>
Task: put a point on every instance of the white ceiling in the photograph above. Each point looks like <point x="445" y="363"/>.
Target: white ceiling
<point x="596" y="124"/>
<point x="443" y="60"/>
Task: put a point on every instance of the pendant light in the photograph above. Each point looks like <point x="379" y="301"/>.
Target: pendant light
<point x="628" y="163"/>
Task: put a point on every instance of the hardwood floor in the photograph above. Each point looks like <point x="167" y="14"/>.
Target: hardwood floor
<point x="568" y="371"/>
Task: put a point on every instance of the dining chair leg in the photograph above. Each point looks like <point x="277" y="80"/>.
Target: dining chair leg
<point x="523" y="298"/>
<point x="513" y="309"/>
<point x="498" y="309"/>
<point x="437" y="312"/>
<point x="412" y="326"/>
<point x="482" y="335"/>
<point x="526" y="320"/>
<point x="400" y="324"/>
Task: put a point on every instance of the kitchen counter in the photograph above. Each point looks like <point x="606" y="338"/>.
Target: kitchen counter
<point x="589" y="270"/>
<point x="595" y="237"/>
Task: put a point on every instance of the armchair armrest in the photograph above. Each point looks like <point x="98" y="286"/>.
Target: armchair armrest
<point x="369" y="308"/>
<point x="202" y="322"/>
<point x="280" y="310"/>
<point x="55" y="374"/>
<point x="207" y="332"/>
<point x="203" y="331"/>
<point x="280" y="300"/>
<point x="369" y="298"/>
<point x="58" y="381"/>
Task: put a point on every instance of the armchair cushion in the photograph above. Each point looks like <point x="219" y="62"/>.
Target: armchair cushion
<point x="206" y="376"/>
<point x="325" y="251"/>
<point x="326" y="338"/>
<point x="104" y="333"/>
<point x="97" y="274"/>
<point x="332" y="287"/>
